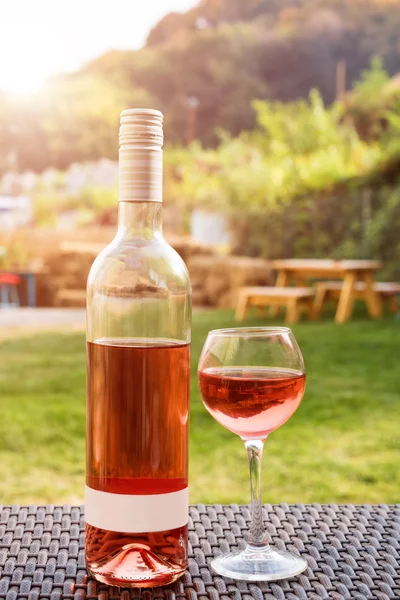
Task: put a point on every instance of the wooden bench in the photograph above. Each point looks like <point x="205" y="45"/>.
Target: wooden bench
<point x="331" y="290"/>
<point x="291" y="298"/>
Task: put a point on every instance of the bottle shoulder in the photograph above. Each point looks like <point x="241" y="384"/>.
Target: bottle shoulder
<point x="128" y="259"/>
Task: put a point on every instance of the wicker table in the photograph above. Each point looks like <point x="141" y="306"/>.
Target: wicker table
<point x="352" y="552"/>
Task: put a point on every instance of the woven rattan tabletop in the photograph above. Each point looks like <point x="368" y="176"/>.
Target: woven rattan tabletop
<point x="352" y="553"/>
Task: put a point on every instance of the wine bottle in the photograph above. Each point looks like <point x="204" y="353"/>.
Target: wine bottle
<point x="138" y="345"/>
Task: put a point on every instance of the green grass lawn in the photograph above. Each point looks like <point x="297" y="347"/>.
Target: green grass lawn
<point x="342" y="445"/>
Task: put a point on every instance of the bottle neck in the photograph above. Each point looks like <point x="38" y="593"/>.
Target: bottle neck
<point x="139" y="219"/>
<point x="140" y="173"/>
<point x="140" y="190"/>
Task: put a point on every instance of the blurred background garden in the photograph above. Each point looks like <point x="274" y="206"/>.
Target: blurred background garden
<point x="282" y="129"/>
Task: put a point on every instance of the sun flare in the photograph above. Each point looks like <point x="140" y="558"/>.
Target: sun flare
<point x="26" y="59"/>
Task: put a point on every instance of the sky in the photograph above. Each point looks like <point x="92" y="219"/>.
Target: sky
<point x="41" y="38"/>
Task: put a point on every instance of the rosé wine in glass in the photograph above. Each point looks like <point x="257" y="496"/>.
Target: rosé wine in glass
<point x="251" y="401"/>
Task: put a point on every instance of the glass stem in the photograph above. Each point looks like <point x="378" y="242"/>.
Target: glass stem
<point x="257" y="535"/>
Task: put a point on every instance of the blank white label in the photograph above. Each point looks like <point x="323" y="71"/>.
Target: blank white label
<point x="136" y="513"/>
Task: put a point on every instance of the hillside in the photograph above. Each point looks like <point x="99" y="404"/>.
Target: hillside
<point x="202" y="68"/>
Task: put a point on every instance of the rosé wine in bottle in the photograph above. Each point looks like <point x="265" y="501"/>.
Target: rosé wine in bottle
<point x="138" y="336"/>
<point x="251" y="401"/>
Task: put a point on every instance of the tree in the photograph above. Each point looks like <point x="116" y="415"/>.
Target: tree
<point x="221" y="54"/>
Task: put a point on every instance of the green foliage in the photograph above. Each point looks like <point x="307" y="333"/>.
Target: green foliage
<point x="299" y="127"/>
<point x="13" y="253"/>
<point x="368" y="104"/>
<point x="44" y="211"/>
<point x="305" y="182"/>
<point x="95" y="198"/>
<point x="82" y="117"/>
<point x="47" y="204"/>
<point x="371" y="83"/>
<point x="383" y="230"/>
<point x="299" y="149"/>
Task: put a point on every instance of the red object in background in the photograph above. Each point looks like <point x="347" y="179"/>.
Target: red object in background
<point x="8" y="289"/>
<point x="9" y="279"/>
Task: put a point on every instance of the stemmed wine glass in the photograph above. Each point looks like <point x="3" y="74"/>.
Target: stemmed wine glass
<point x="252" y="380"/>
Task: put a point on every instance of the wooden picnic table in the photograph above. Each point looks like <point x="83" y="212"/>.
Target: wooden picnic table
<point x="352" y="553"/>
<point x="349" y="271"/>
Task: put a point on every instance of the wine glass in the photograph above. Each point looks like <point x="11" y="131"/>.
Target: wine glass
<point x="252" y="380"/>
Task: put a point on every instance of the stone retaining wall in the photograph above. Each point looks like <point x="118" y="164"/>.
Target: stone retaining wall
<point x="215" y="278"/>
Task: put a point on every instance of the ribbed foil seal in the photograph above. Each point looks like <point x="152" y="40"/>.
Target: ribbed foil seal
<point x="140" y="155"/>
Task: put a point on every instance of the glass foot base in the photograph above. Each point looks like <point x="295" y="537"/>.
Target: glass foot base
<point x="259" y="564"/>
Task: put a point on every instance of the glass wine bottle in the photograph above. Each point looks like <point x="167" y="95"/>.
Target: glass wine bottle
<point x="138" y="345"/>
